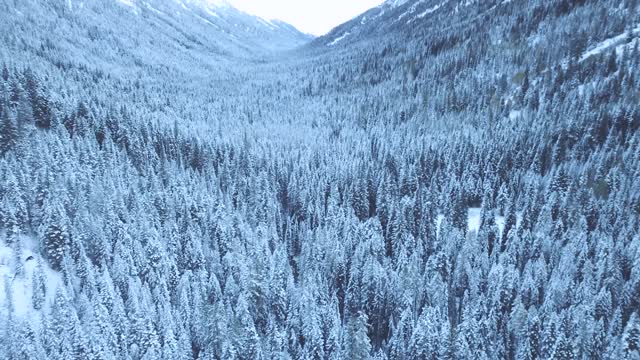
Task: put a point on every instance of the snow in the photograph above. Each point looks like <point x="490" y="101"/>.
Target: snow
<point x="272" y="23"/>
<point x="338" y="39"/>
<point x="205" y="20"/>
<point x="395" y="3"/>
<point x="534" y="40"/>
<point x="411" y="10"/>
<point x="439" y="219"/>
<point x="473" y="221"/>
<point x="515" y="114"/>
<point x="21" y="286"/>
<point x="626" y="47"/>
<point x="155" y="10"/>
<point x="126" y="2"/>
<point x="428" y="11"/>
<point x="265" y="22"/>
<point x="218" y="3"/>
<point x="606" y="44"/>
<point x="212" y="13"/>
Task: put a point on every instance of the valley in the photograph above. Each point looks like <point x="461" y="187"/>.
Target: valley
<point x="431" y="180"/>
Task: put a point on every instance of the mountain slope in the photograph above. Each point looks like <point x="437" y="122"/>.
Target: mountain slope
<point x="421" y="19"/>
<point x="463" y="184"/>
<point x="130" y="32"/>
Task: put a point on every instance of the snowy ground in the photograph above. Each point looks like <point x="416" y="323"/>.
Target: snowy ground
<point x="338" y="39"/>
<point x="618" y="41"/>
<point x="474" y="221"/>
<point x="21" y="286"/>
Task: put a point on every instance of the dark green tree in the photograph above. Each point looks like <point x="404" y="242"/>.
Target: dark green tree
<point x="9" y="134"/>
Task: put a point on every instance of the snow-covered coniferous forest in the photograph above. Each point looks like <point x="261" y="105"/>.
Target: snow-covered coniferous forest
<point x="434" y="179"/>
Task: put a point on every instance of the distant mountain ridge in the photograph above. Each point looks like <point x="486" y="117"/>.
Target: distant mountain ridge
<point x="124" y="31"/>
<point x="431" y="180"/>
<point x="407" y="16"/>
<point x="264" y="33"/>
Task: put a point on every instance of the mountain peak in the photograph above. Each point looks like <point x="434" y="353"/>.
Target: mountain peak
<point x="207" y="3"/>
<point x="208" y="28"/>
<point x="394" y="3"/>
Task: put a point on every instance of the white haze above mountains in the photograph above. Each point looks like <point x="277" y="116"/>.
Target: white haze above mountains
<point x="433" y="179"/>
<point x="309" y="16"/>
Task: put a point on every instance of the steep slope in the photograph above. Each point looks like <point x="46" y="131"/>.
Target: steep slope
<point x="132" y="33"/>
<point x="395" y="16"/>
<point x="422" y="19"/>
<point x="465" y="188"/>
<point x="28" y="284"/>
<point x="452" y="52"/>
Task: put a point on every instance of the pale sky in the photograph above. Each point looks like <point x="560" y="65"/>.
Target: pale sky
<point x="315" y="17"/>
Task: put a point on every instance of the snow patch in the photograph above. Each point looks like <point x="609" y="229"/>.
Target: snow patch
<point x="265" y="23"/>
<point x="128" y="3"/>
<point x="206" y="21"/>
<point x="428" y="11"/>
<point x="272" y="23"/>
<point x="21" y="290"/>
<point x="218" y="3"/>
<point x="395" y="3"/>
<point x="411" y="10"/>
<point x="606" y="44"/>
<point x="534" y="40"/>
<point x="515" y="114"/>
<point x="212" y="13"/>
<point x="125" y="2"/>
<point x="474" y="220"/>
<point x="155" y="10"/>
<point x="338" y="39"/>
<point x="439" y="220"/>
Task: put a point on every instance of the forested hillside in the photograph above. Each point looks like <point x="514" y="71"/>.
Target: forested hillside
<point x="450" y="180"/>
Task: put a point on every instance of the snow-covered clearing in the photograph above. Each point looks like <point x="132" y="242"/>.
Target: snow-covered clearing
<point x="428" y="11"/>
<point x="617" y="41"/>
<point x="212" y="13"/>
<point x="411" y="10"/>
<point x="155" y="10"/>
<point x="473" y="221"/>
<point x="126" y="2"/>
<point x="21" y="286"/>
<point x="338" y="39"/>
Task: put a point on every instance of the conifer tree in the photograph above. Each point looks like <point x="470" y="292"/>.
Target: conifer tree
<point x="359" y="344"/>
<point x="8" y="132"/>
<point x="39" y="286"/>
<point x="55" y="239"/>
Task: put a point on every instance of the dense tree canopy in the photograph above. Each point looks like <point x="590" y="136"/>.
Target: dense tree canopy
<point x="470" y="191"/>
